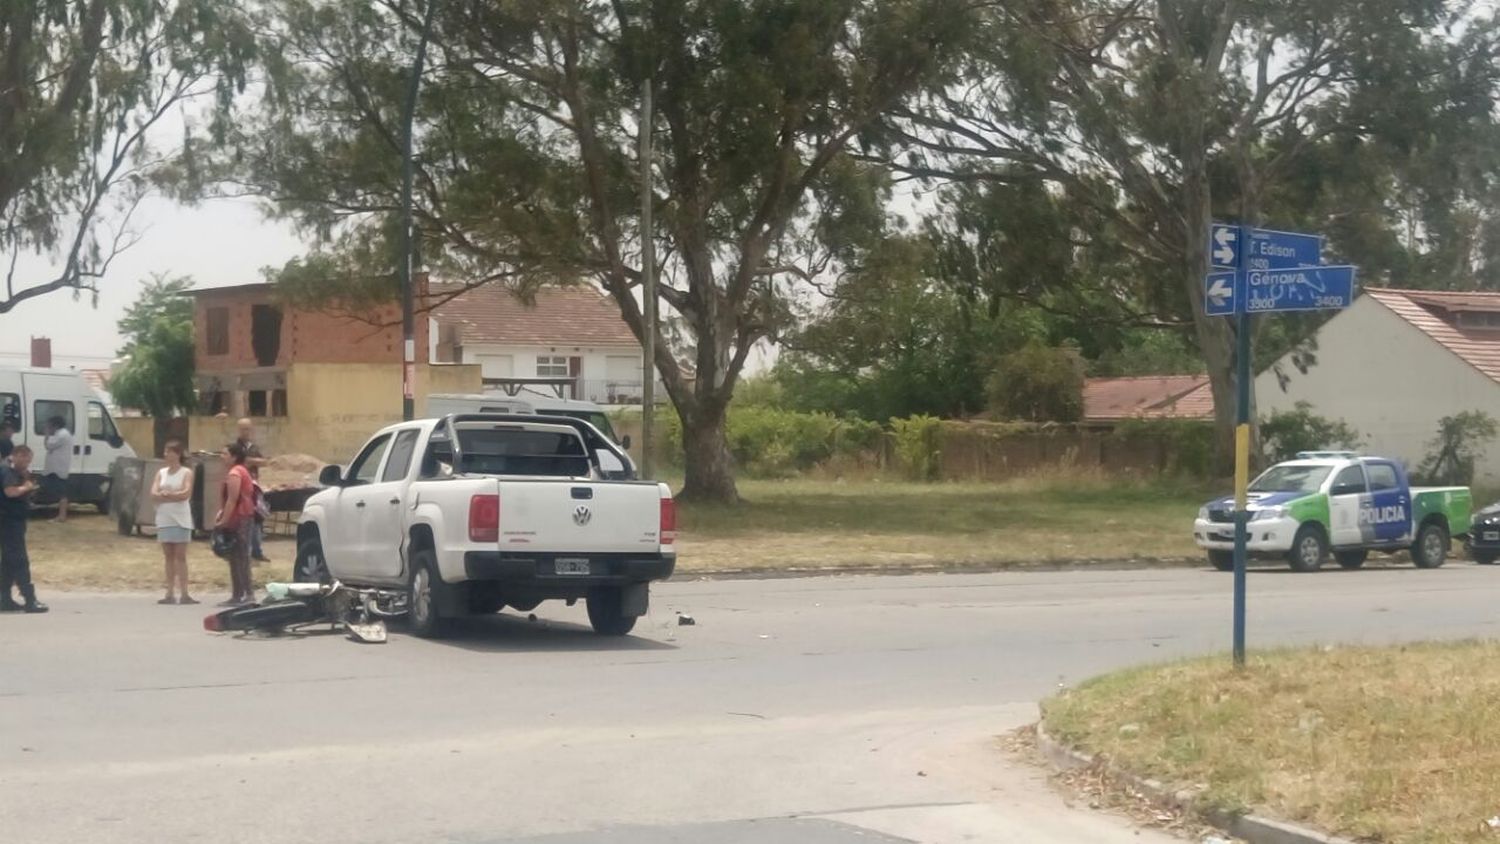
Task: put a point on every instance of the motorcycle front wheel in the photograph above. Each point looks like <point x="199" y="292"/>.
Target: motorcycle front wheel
<point x="267" y="617"/>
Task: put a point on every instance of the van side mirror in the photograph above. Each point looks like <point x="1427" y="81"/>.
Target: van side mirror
<point x="331" y="476"/>
<point x="625" y="442"/>
<point x="116" y="441"/>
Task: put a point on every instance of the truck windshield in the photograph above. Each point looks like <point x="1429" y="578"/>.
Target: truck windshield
<point x="511" y="450"/>
<point x="1291" y="479"/>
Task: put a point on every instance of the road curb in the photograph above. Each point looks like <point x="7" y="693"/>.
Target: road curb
<point x="1252" y="828"/>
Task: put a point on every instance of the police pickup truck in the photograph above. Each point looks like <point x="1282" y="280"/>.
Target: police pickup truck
<point x="1339" y="502"/>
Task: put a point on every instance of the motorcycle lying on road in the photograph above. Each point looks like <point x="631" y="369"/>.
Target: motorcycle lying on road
<point x="362" y="612"/>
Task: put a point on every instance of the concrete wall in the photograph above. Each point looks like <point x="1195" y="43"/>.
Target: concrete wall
<point x="333" y="409"/>
<point x="1388" y="380"/>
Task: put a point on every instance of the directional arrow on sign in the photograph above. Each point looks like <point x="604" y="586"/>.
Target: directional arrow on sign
<point x="1219" y="294"/>
<point x="1223" y="248"/>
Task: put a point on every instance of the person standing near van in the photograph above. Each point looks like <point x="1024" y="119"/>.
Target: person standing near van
<point x="236" y="515"/>
<point x="15" y="507"/>
<point x="253" y="461"/>
<point x="173" y="491"/>
<point x="7" y="445"/>
<point x="58" y="464"/>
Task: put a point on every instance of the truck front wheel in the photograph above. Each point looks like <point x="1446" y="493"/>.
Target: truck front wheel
<point x="1221" y="560"/>
<point x="1431" y="548"/>
<point x="606" y="607"/>
<point x="1352" y="559"/>
<point x="1308" y="550"/>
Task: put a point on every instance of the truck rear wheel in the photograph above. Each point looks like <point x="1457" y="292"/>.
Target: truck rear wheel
<point x="1431" y="548"/>
<point x="606" y="612"/>
<point x="1352" y="559"/>
<point x="1221" y="560"/>
<point x="423" y="617"/>
<point x="1309" y="549"/>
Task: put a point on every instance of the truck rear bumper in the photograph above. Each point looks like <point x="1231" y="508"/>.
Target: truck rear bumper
<point x="542" y="569"/>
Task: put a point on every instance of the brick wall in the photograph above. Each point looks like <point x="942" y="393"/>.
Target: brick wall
<point x="306" y="336"/>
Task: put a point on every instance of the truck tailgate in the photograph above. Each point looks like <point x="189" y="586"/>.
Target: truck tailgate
<point x="567" y="516"/>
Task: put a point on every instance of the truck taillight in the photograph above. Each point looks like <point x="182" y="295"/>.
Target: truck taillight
<point x="668" y="521"/>
<point x="484" y="518"/>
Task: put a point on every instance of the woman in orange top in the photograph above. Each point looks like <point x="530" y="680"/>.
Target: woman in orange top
<point x="236" y="515"/>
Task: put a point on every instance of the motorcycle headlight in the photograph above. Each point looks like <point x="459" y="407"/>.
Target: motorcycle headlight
<point x="1203" y="513"/>
<point x="1268" y="513"/>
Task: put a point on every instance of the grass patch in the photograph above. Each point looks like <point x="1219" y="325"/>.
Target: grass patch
<point x="797" y="524"/>
<point x="1396" y="744"/>
<point x="809" y="523"/>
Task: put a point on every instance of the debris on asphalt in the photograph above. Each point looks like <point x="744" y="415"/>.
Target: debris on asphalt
<point x="1215" y="839"/>
<point x="1493" y="824"/>
<point x="685" y="620"/>
<point x="765" y="635"/>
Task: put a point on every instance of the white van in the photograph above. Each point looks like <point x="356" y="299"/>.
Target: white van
<point x="29" y="397"/>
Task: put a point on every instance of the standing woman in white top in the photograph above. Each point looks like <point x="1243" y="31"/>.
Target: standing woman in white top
<point x="172" y="491"/>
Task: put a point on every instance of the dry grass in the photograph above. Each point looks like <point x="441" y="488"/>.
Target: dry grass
<point x="800" y="524"/>
<point x="87" y="553"/>
<point x="1398" y="745"/>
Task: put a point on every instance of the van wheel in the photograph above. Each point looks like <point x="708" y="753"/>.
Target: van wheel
<point x="423" y="617"/>
<point x="1352" y="559"/>
<point x="606" y="612"/>
<point x="1431" y="548"/>
<point x="1309" y="549"/>
<point x="1221" y="560"/>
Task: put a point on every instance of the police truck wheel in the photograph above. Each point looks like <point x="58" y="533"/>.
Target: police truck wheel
<point x="1431" y="548"/>
<point x="1309" y="550"/>
<point x="1221" y="560"/>
<point x="1351" y="559"/>
<point x="1485" y="558"/>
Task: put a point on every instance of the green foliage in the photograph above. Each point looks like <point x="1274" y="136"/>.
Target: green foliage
<point x="1461" y="440"/>
<point x="760" y="391"/>
<point x="157" y="375"/>
<point x="1189" y="443"/>
<point x="918" y="442"/>
<point x="81" y="87"/>
<point x="1286" y="432"/>
<point x="1037" y="384"/>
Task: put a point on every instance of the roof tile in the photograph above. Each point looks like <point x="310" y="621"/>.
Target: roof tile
<point x="1147" y="397"/>
<point x="561" y="316"/>
<point x="1477" y="347"/>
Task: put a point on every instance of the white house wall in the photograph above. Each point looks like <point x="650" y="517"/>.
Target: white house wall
<point x="595" y="375"/>
<point x="1388" y="380"/>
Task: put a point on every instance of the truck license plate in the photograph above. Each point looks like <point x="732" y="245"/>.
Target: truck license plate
<point x="572" y="565"/>
<point x="1492" y="536"/>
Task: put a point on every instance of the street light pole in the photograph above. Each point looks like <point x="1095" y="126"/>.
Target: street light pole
<point x="408" y="320"/>
<point x="648" y="285"/>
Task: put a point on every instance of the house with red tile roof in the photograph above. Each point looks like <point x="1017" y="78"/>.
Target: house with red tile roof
<point x="573" y="332"/>
<point x="1107" y="401"/>
<point x="1393" y="364"/>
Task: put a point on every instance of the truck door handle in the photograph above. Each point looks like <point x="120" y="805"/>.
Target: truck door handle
<point x="359" y="504"/>
<point x="395" y="501"/>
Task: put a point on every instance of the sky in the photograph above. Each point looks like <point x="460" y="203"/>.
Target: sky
<point x="220" y="242"/>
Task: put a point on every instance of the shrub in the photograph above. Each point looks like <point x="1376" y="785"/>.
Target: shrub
<point x="1284" y="433"/>
<point x="1037" y="384"/>
<point x="1460" y="442"/>
<point x="918" y="446"/>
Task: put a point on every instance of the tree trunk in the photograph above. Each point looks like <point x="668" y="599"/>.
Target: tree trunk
<point x="1215" y="335"/>
<point x="708" y="467"/>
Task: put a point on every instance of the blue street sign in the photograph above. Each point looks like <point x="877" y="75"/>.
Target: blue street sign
<point x="1299" y="289"/>
<point x="1224" y="246"/>
<point x="1266" y="249"/>
<point x="1219" y="294"/>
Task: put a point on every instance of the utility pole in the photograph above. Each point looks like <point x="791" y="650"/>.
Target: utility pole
<point x="648" y="285"/>
<point x="408" y="258"/>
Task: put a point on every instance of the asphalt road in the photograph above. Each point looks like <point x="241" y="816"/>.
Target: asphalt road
<point x="827" y="711"/>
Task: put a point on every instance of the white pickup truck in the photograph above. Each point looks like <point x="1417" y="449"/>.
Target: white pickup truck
<point x="472" y="513"/>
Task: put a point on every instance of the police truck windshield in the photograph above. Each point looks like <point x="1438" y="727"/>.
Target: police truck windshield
<point x="1291" y="479"/>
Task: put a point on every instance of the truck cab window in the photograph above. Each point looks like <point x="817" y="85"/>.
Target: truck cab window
<point x="400" y="460"/>
<point x="1349" y="481"/>
<point x="364" y="468"/>
<point x="1382" y="477"/>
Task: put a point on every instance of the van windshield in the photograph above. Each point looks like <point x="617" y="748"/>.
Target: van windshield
<point x="597" y="418"/>
<point x="1291" y="479"/>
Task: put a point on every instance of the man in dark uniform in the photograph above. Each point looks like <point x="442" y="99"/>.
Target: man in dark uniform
<point x="15" y="508"/>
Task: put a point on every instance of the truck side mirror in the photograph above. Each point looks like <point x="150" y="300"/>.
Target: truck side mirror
<point x="625" y="442"/>
<point x="331" y="476"/>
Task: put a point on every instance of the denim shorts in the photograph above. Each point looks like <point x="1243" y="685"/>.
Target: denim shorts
<point x="173" y="535"/>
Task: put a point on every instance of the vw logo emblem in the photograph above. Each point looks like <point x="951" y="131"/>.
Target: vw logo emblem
<point x="581" y="515"/>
